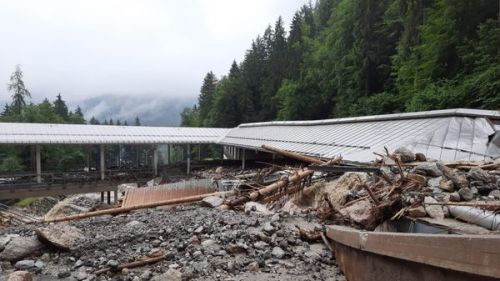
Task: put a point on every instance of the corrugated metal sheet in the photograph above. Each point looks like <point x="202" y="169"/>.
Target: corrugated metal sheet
<point x="444" y="135"/>
<point x="141" y="196"/>
<point x="36" y="133"/>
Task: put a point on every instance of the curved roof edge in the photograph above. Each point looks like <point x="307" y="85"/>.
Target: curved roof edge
<point x="465" y="112"/>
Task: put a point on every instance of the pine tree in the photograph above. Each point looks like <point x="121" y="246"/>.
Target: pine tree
<point x="137" y="122"/>
<point x="94" y="121"/>
<point x="60" y="107"/>
<point x="19" y="91"/>
<point x="205" y="99"/>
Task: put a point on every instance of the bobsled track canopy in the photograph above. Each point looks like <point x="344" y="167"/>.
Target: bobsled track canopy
<point x="452" y="134"/>
<point x="38" y="133"/>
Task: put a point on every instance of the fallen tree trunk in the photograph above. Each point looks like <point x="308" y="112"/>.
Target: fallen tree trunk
<point x="270" y="189"/>
<point x="293" y="155"/>
<point x="128" y="209"/>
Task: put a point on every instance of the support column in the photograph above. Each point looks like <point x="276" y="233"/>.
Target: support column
<point x="243" y="160"/>
<point x="168" y="154"/>
<point x="155" y="161"/>
<point x="38" y="161"/>
<point x="109" y="197"/>
<point x="103" y="162"/>
<point x="188" y="159"/>
<point x="116" y="196"/>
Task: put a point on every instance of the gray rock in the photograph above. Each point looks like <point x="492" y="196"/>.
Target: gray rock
<point x="25" y="264"/>
<point x="61" y="236"/>
<point x="257" y="207"/>
<point x="20" y="276"/>
<point x="170" y="275"/>
<point x="434" y="211"/>
<point x="455" y="197"/>
<point x="268" y="228"/>
<point x="113" y="263"/>
<point x="39" y="264"/>
<point x="495" y="194"/>
<point x="20" y="247"/>
<point x="63" y="274"/>
<point x="479" y="174"/>
<point x="466" y="193"/>
<point x="134" y="224"/>
<point x="428" y="169"/>
<point x="4" y="240"/>
<point x="146" y="275"/>
<point x="278" y="253"/>
<point x="211" y="202"/>
<point x="260" y="245"/>
<point x="253" y="266"/>
<point x="405" y="154"/>
<point x="275" y="218"/>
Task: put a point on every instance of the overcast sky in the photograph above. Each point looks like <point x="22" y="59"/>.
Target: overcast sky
<point x="90" y="47"/>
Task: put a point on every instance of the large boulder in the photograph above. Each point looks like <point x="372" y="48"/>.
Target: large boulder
<point x="62" y="236"/>
<point x="20" y="276"/>
<point x="404" y="154"/>
<point x="362" y="213"/>
<point x="434" y="211"/>
<point x="20" y="247"/>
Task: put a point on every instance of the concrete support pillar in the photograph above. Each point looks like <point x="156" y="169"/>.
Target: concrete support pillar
<point x="243" y="160"/>
<point x="38" y="161"/>
<point x="102" y="196"/>
<point x="109" y="197"/>
<point x="103" y="162"/>
<point x="115" y="196"/>
<point x="155" y="161"/>
<point x="188" y="168"/>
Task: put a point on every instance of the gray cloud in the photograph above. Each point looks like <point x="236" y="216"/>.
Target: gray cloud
<point x="86" y="48"/>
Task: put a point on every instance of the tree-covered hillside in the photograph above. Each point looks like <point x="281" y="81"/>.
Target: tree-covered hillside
<point x="360" y="57"/>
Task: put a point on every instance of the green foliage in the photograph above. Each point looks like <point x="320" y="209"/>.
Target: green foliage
<point x="26" y="202"/>
<point x="360" y="57"/>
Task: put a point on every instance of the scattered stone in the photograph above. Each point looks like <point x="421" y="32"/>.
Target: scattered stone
<point x="211" y="202"/>
<point x="257" y="207"/>
<point x="25" y="264"/>
<point x="146" y="275"/>
<point x="434" y="211"/>
<point x="455" y="197"/>
<point x="268" y="228"/>
<point x="253" y="266"/>
<point x="113" y="263"/>
<point x="466" y="193"/>
<point x="421" y="180"/>
<point x="62" y="236"/>
<point x="405" y="155"/>
<point x="417" y="212"/>
<point x="20" y="247"/>
<point x="170" y="275"/>
<point x="260" y="245"/>
<point x="479" y="174"/>
<point x="20" y="276"/>
<point x="278" y="253"/>
<point x="63" y="274"/>
<point x="134" y="224"/>
<point x="428" y="169"/>
<point x="447" y="185"/>
<point x="495" y="194"/>
<point x="420" y="157"/>
<point x="363" y="213"/>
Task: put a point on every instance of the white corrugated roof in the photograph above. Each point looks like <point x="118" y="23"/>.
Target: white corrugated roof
<point x="443" y="134"/>
<point x="37" y="133"/>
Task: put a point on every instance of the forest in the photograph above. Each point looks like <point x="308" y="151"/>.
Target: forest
<point x="17" y="158"/>
<point x="360" y="57"/>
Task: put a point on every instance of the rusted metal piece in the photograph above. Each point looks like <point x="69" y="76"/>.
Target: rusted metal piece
<point x="293" y="155"/>
<point x="377" y="256"/>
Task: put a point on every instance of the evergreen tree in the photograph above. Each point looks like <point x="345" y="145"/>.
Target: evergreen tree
<point x="19" y="91"/>
<point x="94" y="121"/>
<point x="60" y="107"/>
<point x="206" y="96"/>
<point x="137" y="122"/>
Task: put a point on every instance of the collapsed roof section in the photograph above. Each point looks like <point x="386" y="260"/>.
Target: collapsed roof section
<point x="448" y="135"/>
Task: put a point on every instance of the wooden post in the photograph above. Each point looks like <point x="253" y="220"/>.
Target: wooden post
<point x="38" y="161"/>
